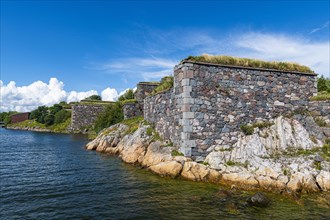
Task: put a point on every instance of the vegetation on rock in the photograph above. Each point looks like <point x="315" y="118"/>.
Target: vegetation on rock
<point x="166" y="83"/>
<point x="249" y="129"/>
<point x="253" y="63"/>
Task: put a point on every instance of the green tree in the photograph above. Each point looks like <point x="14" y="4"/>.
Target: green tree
<point x="129" y="94"/>
<point x="49" y="119"/>
<point x="39" y="114"/>
<point x="55" y="108"/>
<point x="112" y="114"/>
<point x="323" y="84"/>
<point x="61" y="116"/>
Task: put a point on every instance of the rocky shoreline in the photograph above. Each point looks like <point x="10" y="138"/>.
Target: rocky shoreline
<point x="282" y="158"/>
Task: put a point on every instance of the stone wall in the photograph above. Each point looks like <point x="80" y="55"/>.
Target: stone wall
<point x="84" y="115"/>
<point x="132" y="109"/>
<point x="223" y="98"/>
<point x="320" y="109"/>
<point x="161" y="111"/>
<point x="212" y="101"/>
<point x="143" y="90"/>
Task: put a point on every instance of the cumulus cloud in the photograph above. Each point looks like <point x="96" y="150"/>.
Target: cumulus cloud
<point x="284" y="48"/>
<point x="27" y="98"/>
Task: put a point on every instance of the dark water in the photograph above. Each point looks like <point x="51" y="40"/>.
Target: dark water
<point x="51" y="176"/>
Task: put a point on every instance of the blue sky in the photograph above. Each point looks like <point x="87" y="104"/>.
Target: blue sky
<point x="106" y="47"/>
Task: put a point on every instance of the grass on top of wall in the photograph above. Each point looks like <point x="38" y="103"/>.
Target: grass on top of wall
<point x="166" y="83"/>
<point x="321" y="96"/>
<point x="253" y="63"/>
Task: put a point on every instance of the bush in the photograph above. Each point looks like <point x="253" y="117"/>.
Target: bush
<point x="62" y="116"/>
<point x="247" y="129"/>
<point x="111" y="115"/>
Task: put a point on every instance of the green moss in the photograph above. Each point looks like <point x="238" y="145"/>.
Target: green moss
<point x="149" y="131"/>
<point x="253" y="63"/>
<point x="233" y="163"/>
<point x="206" y="163"/>
<point x="176" y="153"/>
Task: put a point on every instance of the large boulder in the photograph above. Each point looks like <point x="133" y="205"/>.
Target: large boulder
<point x="169" y="168"/>
<point x="156" y="154"/>
<point x="323" y="180"/>
<point x="195" y="171"/>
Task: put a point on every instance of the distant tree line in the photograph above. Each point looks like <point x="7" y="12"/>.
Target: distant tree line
<point x="55" y="114"/>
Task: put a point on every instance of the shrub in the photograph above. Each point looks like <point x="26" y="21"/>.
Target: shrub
<point x="111" y="115"/>
<point x="62" y="116"/>
<point x="247" y="129"/>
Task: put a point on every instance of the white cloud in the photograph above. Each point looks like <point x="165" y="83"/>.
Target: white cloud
<point x="27" y="98"/>
<point x="284" y="48"/>
<point x="109" y="94"/>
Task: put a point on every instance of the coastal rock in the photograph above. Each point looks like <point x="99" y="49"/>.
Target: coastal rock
<point x="133" y="147"/>
<point x="323" y="180"/>
<point x="195" y="171"/>
<point x="169" y="168"/>
<point x="156" y="154"/>
<point x="259" y="200"/>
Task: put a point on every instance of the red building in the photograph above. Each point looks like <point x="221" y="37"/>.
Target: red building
<point x="19" y="117"/>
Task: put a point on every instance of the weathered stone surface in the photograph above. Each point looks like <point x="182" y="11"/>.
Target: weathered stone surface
<point x="84" y="115"/>
<point x="169" y="168"/>
<point x="195" y="171"/>
<point x="323" y="180"/>
<point x="156" y="154"/>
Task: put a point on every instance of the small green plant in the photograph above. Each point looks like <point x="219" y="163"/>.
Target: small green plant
<point x="175" y="153"/>
<point x="320" y="122"/>
<point x="149" y="131"/>
<point x="247" y="129"/>
<point x="285" y="172"/>
<point x="326" y="150"/>
<point x="231" y="163"/>
<point x="317" y="165"/>
<point x="206" y="163"/>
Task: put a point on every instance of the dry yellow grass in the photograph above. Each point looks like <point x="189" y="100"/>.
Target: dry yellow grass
<point x="253" y="63"/>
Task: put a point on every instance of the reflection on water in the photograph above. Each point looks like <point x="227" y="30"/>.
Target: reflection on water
<point x="52" y="176"/>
